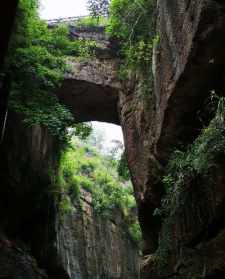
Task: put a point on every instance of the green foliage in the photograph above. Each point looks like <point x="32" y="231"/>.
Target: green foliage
<point x="94" y="173"/>
<point x="122" y="167"/>
<point x="81" y="48"/>
<point x="65" y="205"/>
<point x="195" y="164"/>
<point x="82" y="130"/>
<point x="197" y="161"/>
<point x="37" y="64"/>
<point x="132" y="22"/>
<point x="135" y="232"/>
<point x="201" y="156"/>
<point x="81" y="168"/>
<point x="91" y="21"/>
<point x="98" y="8"/>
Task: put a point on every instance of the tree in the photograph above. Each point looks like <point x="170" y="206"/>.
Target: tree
<point x="98" y="8"/>
<point x="36" y="62"/>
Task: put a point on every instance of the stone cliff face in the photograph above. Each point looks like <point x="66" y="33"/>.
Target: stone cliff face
<point x="7" y="16"/>
<point x="35" y="240"/>
<point x="6" y="22"/>
<point x="91" y="246"/>
<point x="17" y="263"/>
<point x="189" y="63"/>
<point x="27" y="208"/>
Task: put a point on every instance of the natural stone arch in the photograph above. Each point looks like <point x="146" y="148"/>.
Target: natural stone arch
<point x="91" y="90"/>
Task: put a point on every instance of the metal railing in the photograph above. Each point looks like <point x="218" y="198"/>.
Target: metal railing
<point x="65" y="19"/>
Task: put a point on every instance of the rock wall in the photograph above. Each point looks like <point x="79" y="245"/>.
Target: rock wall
<point x="35" y="241"/>
<point x="7" y="17"/>
<point x="189" y="63"/>
<point x="92" y="246"/>
<point x="192" y="236"/>
<point x="26" y="205"/>
<point x="136" y="111"/>
<point x="15" y="262"/>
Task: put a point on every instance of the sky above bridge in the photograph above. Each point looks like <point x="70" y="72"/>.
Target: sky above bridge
<point x="51" y="9"/>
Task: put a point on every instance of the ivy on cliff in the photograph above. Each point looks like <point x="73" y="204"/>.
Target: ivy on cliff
<point x="122" y="167"/>
<point x="187" y="168"/>
<point x="132" y="23"/>
<point x="199" y="158"/>
<point x="37" y="64"/>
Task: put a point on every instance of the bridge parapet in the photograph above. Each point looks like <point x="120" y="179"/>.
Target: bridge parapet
<point x="81" y="31"/>
<point x="67" y="20"/>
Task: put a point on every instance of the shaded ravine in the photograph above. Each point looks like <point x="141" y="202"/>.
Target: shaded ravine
<point x="189" y="63"/>
<point x="36" y="241"/>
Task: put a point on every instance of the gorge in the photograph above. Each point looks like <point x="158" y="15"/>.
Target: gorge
<point x="174" y="139"/>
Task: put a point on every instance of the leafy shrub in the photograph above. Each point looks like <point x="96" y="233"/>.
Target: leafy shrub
<point x="132" y="22"/>
<point x="98" y="8"/>
<point x="135" y="232"/>
<point x="197" y="162"/>
<point x="65" y="205"/>
<point x="122" y="167"/>
<point x="82" y="167"/>
<point x="37" y="64"/>
<point x="74" y="188"/>
<point x="91" y="21"/>
<point x="201" y="156"/>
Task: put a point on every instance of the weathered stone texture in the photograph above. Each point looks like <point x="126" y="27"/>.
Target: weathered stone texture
<point x="15" y="263"/>
<point x="90" y="90"/>
<point x="92" y="246"/>
<point x="193" y="235"/>
<point x="83" y="245"/>
<point x="136" y="111"/>
<point x="189" y="62"/>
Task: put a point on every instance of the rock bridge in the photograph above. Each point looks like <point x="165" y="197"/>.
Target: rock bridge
<point x="91" y="88"/>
